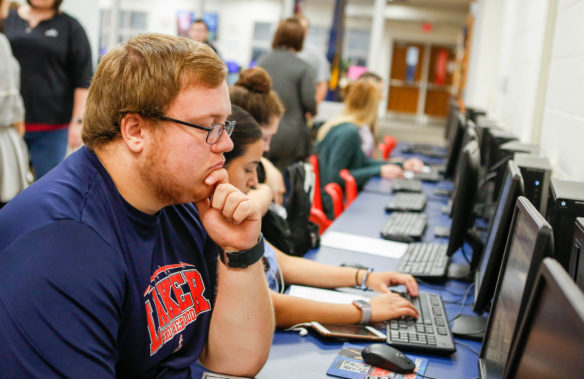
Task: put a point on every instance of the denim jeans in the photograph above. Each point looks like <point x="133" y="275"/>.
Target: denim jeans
<point x="46" y="149"/>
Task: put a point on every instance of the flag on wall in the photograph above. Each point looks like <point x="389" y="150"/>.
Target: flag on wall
<point x="335" y="49"/>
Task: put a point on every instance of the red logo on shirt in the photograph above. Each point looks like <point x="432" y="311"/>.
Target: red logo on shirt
<point x="173" y="301"/>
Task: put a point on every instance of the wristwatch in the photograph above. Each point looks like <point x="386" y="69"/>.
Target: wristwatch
<point x="365" y="308"/>
<point x="242" y="259"/>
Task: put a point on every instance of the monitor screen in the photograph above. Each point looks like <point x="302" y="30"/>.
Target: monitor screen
<point x="490" y="262"/>
<point x="530" y="239"/>
<point x="551" y="335"/>
<point x="576" y="258"/>
<point x="464" y="196"/>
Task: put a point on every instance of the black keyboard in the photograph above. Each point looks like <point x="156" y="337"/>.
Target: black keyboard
<point x="425" y="260"/>
<point x="427" y="150"/>
<point x="430" y="333"/>
<point x="433" y="175"/>
<point x="406" y="185"/>
<point x="414" y="202"/>
<point x="407" y="224"/>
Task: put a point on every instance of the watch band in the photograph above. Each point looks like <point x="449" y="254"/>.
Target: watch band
<point x="242" y="259"/>
<point x="365" y="308"/>
<point x="363" y="286"/>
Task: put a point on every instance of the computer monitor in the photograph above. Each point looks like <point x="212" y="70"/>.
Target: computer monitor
<point x="530" y="240"/>
<point x="453" y="112"/>
<point x="490" y="261"/>
<point x="464" y="196"/>
<point x="454" y="145"/>
<point x="576" y="268"/>
<point x="550" y="340"/>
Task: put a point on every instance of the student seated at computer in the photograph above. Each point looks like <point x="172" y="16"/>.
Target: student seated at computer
<point x="282" y="269"/>
<point x="253" y="92"/>
<point x="339" y="143"/>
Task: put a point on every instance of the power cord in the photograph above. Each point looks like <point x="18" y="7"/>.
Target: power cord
<point x="463" y="303"/>
<point x="464" y="254"/>
<point x="389" y="377"/>
<point x="467" y="346"/>
<point x="300" y="328"/>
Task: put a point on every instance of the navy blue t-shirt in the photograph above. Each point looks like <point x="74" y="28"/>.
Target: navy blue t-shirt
<point x="91" y="286"/>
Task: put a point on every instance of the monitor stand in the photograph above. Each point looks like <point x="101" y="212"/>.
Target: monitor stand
<point x="469" y="327"/>
<point x="465" y="272"/>
<point x="460" y="272"/>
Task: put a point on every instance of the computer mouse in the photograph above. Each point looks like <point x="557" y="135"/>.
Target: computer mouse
<point x="387" y="357"/>
<point x="399" y="238"/>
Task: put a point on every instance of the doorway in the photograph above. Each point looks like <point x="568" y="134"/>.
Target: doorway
<point x="421" y="79"/>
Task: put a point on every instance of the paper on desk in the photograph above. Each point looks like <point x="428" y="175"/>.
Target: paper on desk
<point x="360" y="244"/>
<point x="326" y="296"/>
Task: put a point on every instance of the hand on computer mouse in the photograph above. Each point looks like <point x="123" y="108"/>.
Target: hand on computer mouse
<point x="389" y="358"/>
<point x="413" y="164"/>
<point x="389" y="306"/>
<point x="381" y="281"/>
<point x="391" y="171"/>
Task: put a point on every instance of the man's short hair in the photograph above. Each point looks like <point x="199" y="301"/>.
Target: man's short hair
<point x="290" y="35"/>
<point x="144" y="76"/>
<point x="201" y="21"/>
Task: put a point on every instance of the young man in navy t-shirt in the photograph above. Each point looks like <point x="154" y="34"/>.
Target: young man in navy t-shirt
<point x="110" y="262"/>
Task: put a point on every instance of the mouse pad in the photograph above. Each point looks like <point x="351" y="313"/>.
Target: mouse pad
<point x="349" y="364"/>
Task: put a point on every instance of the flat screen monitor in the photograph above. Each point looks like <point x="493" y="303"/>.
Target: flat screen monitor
<point x="469" y="134"/>
<point x="454" y="145"/>
<point x="452" y="118"/>
<point x="490" y="261"/>
<point x="464" y="196"/>
<point x="576" y="257"/>
<point x="530" y="240"/>
<point x="550" y="341"/>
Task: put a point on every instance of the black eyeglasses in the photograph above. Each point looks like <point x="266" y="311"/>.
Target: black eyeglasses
<point x="214" y="132"/>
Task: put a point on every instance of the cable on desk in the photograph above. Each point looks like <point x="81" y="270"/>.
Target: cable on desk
<point x="388" y="377"/>
<point x="299" y="328"/>
<point x="467" y="346"/>
<point x="464" y="254"/>
<point x="463" y="304"/>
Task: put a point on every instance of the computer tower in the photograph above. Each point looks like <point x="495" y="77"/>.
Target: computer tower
<point x="565" y="203"/>
<point x="536" y="172"/>
<point x="506" y="152"/>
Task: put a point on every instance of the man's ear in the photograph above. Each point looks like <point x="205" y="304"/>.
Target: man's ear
<point x="132" y="128"/>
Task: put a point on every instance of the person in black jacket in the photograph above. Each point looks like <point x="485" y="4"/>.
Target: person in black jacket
<point x="56" y="68"/>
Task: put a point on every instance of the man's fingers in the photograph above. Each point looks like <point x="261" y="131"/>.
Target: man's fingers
<point x="217" y="177"/>
<point x="232" y="204"/>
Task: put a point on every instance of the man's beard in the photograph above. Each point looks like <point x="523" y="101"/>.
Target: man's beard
<point x="162" y="184"/>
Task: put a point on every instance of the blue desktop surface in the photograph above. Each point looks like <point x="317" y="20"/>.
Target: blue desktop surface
<point x="293" y="356"/>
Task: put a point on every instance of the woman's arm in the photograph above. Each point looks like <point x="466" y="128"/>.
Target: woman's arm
<point x="291" y="310"/>
<point x="303" y="271"/>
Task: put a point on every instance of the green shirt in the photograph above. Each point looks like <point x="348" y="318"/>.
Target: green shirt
<point x="341" y="148"/>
